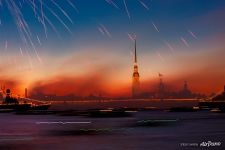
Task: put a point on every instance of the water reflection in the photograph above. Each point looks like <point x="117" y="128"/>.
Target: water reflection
<point x="139" y="130"/>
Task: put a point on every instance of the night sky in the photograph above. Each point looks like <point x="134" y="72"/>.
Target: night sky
<point x="85" y="46"/>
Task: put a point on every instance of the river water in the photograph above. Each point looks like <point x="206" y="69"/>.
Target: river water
<point x="157" y="130"/>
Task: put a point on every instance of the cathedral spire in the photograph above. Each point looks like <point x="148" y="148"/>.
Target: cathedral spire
<point x="135" y="51"/>
<point x="136" y="76"/>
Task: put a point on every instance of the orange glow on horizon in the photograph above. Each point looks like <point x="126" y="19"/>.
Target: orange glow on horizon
<point x="110" y="74"/>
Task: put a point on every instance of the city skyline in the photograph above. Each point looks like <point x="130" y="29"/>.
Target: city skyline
<point x="93" y="49"/>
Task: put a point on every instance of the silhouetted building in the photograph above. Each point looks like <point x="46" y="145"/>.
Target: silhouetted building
<point x="9" y="99"/>
<point x="2" y="91"/>
<point x="1" y="96"/>
<point x="136" y="76"/>
<point x="50" y="97"/>
<point x="185" y="92"/>
<point x="162" y="91"/>
<point x="25" y="94"/>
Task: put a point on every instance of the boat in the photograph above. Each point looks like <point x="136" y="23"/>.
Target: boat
<point x="11" y="103"/>
<point x="217" y="102"/>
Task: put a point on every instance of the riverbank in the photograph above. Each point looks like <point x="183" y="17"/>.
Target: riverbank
<point x="129" y="103"/>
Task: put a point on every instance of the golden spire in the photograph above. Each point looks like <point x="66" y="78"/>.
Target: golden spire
<point x="136" y="76"/>
<point x="135" y="51"/>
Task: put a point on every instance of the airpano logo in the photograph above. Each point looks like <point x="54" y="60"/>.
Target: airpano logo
<point x="202" y="144"/>
<point x="210" y="144"/>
